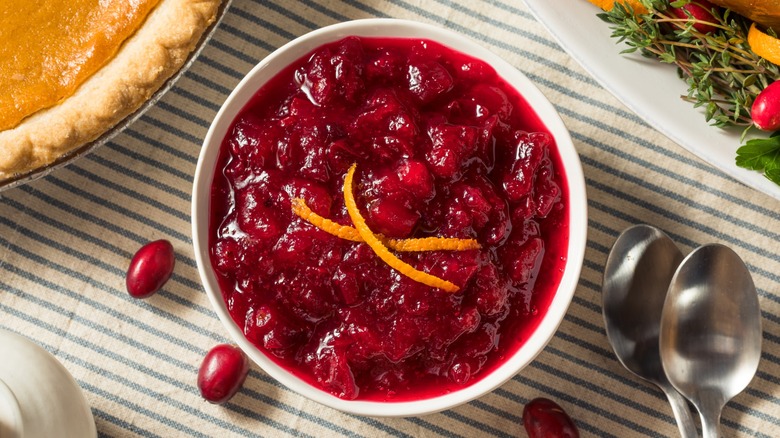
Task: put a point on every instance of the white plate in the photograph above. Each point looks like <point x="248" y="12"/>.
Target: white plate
<point x="628" y="76"/>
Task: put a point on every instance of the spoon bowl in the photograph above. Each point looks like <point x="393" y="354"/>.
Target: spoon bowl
<point x="710" y="336"/>
<point x="639" y="268"/>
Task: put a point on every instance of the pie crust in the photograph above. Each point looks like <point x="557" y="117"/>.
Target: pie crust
<point x="147" y="59"/>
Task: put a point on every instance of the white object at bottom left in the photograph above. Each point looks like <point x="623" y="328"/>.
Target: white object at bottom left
<point x="38" y="396"/>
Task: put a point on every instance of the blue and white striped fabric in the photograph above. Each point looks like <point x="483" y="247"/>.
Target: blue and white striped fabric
<point x="66" y="240"/>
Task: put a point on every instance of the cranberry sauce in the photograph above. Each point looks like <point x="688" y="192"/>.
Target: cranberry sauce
<point x="444" y="147"/>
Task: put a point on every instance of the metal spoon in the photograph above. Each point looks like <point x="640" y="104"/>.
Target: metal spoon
<point x="639" y="267"/>
<point x="711" y="331"/>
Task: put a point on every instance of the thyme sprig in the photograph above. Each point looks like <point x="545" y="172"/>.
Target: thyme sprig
<point x="723" y="75"/>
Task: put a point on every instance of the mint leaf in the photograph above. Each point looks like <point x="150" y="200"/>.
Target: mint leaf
<point x="762" y="154"/>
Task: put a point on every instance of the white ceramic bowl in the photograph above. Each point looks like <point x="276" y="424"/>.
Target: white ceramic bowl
<point x="294" y="50"/>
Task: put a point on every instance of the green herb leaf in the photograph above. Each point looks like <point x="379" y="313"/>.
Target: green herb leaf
<point x="773" y="175"/>
<point x="761" y="154"/>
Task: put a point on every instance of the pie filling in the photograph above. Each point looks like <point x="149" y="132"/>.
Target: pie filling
<point x="50" y="48"/>
<point x="372" y="152"/>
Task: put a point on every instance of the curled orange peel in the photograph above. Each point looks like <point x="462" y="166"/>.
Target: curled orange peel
<point x="346" y="232"/>
<point x="300" y="208"/>
<point x="763" y="44"/>
<point x="607" y="5"/>
<point x="380" y="249"/>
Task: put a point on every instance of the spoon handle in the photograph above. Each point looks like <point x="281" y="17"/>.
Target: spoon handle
<point x="710" y="423"/>
<point x="681" y="412"/>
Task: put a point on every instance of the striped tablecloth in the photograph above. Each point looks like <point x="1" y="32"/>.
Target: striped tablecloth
<point x="66" y="240"/>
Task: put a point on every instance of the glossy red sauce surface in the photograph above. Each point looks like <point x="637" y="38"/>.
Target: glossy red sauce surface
<point x="444" y="147"/>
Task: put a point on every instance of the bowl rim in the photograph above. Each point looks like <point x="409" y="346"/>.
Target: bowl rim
<point x="388" y="27"/>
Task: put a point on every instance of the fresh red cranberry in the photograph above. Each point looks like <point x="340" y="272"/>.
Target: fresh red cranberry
<point x="765" y="110"/>
<point x="150" y="268"/>
<point x="543" y="418"/>
<point x="222" y="373"/>
<point x="699" y="10"/>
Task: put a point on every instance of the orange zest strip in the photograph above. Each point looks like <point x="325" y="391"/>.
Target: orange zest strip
<point x="432" y="244"/>
<point x="346" y="232"/>
<point x="380" y="250"/>
<point x="300" y="208"/>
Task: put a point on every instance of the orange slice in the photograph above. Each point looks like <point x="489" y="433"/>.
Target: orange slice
<point x="300" y="208"/>
<point x="381" y="250"/>
<point x="607" y="5"/>
<point x="764" y="45"/>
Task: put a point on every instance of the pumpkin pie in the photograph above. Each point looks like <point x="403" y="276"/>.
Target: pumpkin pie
<point x="72" y="69"/>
